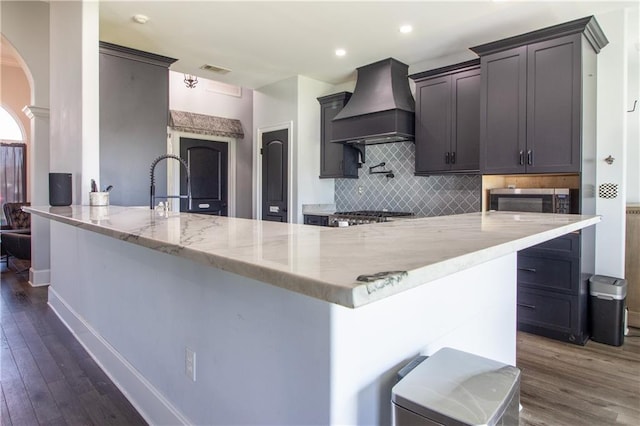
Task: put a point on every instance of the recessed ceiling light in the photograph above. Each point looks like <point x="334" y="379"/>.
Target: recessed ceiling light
<point x="341" y="52"/>
<point x="404" y="29"/>
<point x="140" y="19"/>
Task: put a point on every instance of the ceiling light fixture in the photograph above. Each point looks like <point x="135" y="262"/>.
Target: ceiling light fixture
<point x="405" y="29"/>
<point x="341" y="52"/>
<point x="140" y="19"/>
<point x="190" y="81"/>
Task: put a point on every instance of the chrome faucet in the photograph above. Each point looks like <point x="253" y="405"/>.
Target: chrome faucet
<point x="152" y="199"/>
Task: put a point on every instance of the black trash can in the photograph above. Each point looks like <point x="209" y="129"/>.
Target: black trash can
<point x="607" y="299"/>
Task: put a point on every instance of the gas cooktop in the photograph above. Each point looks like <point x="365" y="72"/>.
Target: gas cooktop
<point x="361" y="217"/>
<point x="376" y="213"/>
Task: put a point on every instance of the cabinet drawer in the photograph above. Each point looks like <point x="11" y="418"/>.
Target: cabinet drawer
<point x="566" y="245"/>
<point x="550" y="310"/>
<point x="319" y="220"/>
<point x="549" y="272"/>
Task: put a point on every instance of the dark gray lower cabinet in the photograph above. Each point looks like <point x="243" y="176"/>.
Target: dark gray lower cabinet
<point x="553" y="290"/>
<point x="318" y="220"/>
<point x="336" y="160"/>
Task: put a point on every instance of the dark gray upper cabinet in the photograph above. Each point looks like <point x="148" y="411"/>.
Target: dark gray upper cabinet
<point x="134" y="106"/>
<point x="336" y="160"/>
<point x="448" y="119"/>
<point x="502" y="112"/>
<point x="534" y="88"/>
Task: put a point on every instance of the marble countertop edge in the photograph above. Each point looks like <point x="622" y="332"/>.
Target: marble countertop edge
<point x="350" y="294"/>
<point x="367" y="293"/>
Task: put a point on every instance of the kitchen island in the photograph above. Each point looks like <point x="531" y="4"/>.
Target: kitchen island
<point x="290" y="324"/>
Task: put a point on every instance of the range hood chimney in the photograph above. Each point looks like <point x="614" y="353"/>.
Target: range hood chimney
<point x="381" y="109"/>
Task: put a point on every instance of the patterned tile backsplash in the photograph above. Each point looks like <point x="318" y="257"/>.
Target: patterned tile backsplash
<point x="423" y="195"/>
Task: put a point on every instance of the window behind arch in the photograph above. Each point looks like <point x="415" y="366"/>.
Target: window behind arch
<point x="13" y="171"/>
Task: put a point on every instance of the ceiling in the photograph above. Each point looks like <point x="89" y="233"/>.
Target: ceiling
<point x="265" y="41"/>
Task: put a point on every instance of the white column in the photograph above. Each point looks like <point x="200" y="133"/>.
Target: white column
<point x="90" y="97"/>
<point x="39" y="184"/>
<point x="612" y="83"/>
<point x="75" y="93"/>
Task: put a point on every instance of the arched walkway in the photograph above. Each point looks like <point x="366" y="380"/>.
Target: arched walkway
<point x="25" y="77"/>
<point x="13" y="165"/>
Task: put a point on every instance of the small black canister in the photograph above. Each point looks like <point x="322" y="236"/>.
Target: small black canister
<point x="60" y="189"/>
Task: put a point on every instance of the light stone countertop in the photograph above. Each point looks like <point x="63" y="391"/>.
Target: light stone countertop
<point x="324" y="262"/>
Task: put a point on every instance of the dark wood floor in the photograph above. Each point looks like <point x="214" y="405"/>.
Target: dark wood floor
<point x="49" y="379"/>
<point x="565" y="384"/>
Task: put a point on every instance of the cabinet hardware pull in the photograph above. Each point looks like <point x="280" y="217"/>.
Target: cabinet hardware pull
<point x="524" y="305"/>
<point x="522" y="158"/>
<point x="446" y="158"/>
<point x="453" y="158"/>
<point x="528" y="269"/>
<point x="529" y="157"/>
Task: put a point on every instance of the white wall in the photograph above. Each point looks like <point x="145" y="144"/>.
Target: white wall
<point x="275" y="105"/>
<point x="312" y="190"/>
<point x="633" y="94"/>
<point x="611" y="110"/>
<point x="295" y="100"/>
<point x="203" y="100"/>
<point x="25" y="24"/>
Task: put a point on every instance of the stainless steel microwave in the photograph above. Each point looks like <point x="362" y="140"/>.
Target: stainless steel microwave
<point x="538" y="200"/>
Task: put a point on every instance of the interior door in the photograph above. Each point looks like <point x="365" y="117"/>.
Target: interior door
<point x="208" y="165"/>
<point x="275" y="147"/>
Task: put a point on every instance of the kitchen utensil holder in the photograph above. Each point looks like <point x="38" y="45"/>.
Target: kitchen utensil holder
<point x="98" y="198"/>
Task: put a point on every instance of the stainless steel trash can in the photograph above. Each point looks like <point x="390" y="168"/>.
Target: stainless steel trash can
<point x="455" y="387"/>
<point x="607" y="297"/>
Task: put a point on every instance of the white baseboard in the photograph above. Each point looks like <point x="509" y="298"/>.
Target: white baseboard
<point x="150" y="403"/>
<point x="40" y="277"/>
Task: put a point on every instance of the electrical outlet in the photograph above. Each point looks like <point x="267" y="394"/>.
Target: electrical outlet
<point x="190" y="363"/>
<point x="360" y="190"/>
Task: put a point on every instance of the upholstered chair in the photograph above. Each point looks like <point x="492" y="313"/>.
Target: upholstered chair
<point x="16" y="235"/>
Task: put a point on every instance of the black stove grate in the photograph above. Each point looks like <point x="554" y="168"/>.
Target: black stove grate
<point x="374" y="213"/>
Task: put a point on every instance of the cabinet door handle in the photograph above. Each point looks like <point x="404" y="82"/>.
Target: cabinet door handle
<point x="522" y="158"/>
<point x="524" y="305"/>
<point x="446" y="158"/>
<point x="528" y="269"/>
<point x="530" y="158"/>
<point x="453" y="158"/>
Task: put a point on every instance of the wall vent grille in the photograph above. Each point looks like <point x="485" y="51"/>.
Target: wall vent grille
<point x="215" y="68"/>
<point x="608" y="190"/>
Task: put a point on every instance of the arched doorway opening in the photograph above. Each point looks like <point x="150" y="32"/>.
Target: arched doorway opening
<point x="13" y="160"/>
<point x="15" y="126"/>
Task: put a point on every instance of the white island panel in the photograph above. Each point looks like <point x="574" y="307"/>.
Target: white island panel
<point x="265" y="355"/>
<point x="283" y="330"/>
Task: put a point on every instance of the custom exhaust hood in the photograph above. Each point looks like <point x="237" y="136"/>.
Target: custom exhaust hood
<point x="381" y="109"/>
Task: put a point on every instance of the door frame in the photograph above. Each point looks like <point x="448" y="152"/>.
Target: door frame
<point x="257" y="170"/>
<point x="173" y="172"/>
